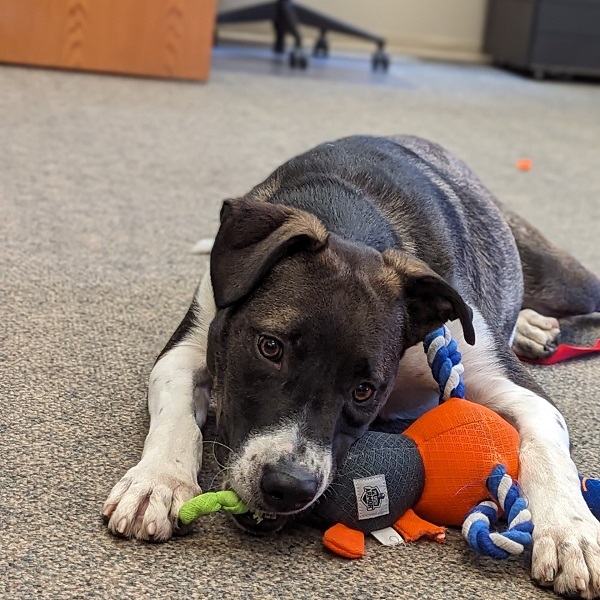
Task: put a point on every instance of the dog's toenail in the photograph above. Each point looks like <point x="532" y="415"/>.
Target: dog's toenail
<point x="549" y="574"/>
<point x="580" y="584"/>
<point x="151" y="528"/>
<point x="122" y="525"/>
<point x="108" y="510"/>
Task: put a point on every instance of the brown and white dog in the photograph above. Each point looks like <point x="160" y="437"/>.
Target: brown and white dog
<point x="323" y="280"/>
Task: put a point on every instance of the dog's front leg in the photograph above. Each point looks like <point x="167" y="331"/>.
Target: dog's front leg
<point x="145" y="503"/>
<point x="566" y="550"/>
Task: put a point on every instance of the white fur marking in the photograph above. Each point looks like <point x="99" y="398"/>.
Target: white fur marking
<point x="166" y="474"/>
<point x="281" y="443"/>
<point x="203" y="245"/>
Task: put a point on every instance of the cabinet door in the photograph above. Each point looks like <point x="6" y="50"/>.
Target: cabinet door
<point x="163" y="38"/>
<point x="568" y="35"/>
<point x="509" y="31"/>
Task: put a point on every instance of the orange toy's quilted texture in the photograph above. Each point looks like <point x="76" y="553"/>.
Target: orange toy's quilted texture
<point x="460" y="443"/>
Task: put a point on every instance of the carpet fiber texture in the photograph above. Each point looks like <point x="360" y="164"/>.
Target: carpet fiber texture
<point x="107" y="182"/>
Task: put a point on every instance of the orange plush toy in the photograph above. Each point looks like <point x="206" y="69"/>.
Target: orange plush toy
<point x="434" y="474"/>
<point x="460" y="443"/>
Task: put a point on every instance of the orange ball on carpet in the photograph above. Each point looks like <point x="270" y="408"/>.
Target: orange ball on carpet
<point x="524" y="164"/>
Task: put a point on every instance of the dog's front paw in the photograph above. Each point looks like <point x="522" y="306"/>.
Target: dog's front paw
<point x="566" y="554"/>
<point x="146" y="502"/>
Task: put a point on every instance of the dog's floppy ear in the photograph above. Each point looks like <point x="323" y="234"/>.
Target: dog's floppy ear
<point x="430" y="300"/>
<point x="253" y="236"/>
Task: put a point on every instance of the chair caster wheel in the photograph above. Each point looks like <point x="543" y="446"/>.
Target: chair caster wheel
<point x="380" y="60"/>
<point x="321" y="48"/>
<point x="298" y="59"/>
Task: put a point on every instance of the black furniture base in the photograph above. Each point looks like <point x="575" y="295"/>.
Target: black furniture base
<point x="545" y="37"/>
<point x="286" y="17"/>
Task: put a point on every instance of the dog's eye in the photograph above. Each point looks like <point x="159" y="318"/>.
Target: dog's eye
<point x="270" y="348"/>
<point x="363" y="392"/>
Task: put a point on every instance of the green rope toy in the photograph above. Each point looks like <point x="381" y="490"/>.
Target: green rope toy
<point x="211" y="502"/>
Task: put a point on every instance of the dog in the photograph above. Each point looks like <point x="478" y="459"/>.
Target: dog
<point x="323" y="281"/>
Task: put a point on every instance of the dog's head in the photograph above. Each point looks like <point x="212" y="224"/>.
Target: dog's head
<point x="305" y="346"/>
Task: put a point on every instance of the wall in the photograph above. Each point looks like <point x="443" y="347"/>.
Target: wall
<point x="435" y="28"/>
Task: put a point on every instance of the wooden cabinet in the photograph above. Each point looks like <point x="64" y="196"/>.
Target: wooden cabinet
<point x="545" y="36"/>
<point x="160" y="38"/>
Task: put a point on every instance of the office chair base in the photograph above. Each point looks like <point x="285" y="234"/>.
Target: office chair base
<point x="287" y="16"/>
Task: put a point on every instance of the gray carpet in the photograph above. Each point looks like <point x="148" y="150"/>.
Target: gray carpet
<point x="107" y="182"/>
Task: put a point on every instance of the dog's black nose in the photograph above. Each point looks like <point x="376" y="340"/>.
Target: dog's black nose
<point x="287" y="487"/>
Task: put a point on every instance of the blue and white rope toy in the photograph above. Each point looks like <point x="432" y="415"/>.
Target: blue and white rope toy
<point x="445" y="362"/>
<point x="476" y="528"/>
<point x="444" y="359"/>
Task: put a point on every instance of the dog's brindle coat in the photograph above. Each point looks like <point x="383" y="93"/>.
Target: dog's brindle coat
<point x="323" y="281"/>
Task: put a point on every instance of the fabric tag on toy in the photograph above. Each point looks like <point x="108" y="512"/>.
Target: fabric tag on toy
<point x="371" y="497"/>
<point x="388" y="536"/>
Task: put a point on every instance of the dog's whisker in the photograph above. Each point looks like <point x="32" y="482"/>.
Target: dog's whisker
<point x="217" y="443"/>
<point x="221" y="466"/>
<point x="212" y="487"/>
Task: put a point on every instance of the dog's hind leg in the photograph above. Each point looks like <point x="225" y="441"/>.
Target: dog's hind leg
<point x="556" y="285"/>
